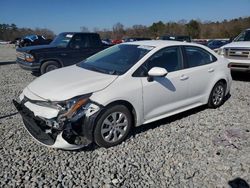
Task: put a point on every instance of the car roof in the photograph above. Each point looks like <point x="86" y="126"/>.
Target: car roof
<point x="73" y="33"/>
<point x="162" y="43"/>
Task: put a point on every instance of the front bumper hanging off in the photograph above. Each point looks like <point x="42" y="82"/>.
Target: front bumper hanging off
<point x="64" y="139"/>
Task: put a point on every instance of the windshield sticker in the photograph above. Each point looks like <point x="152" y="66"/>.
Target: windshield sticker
<point x="146" y="47"/>
<point x="69" y="35"/>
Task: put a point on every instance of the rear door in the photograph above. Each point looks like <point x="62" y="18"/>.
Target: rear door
<point x="200" y="68"/>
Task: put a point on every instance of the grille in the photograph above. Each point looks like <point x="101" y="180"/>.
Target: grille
<point x="238" y="52"/>
<point x="20" y="55"/>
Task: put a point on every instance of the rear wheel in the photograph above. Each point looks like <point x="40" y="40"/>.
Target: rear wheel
<point x="49" y="66"/>
<point x="113" y="126"/>
<point x="217" y="95"/>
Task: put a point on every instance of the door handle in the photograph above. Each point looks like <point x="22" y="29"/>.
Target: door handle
<point x="184" y="77"/>
<point x="211" y="70"/>
<point x="63" y="54"/>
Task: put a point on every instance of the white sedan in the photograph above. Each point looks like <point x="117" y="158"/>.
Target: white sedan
<point x="100" y="99"/>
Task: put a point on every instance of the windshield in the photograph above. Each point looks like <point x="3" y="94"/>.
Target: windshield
<point x="62" y="40"/>
<point x="116" y="60"/>
<point x="244" y="36"/>
<point x="31" y="37"/>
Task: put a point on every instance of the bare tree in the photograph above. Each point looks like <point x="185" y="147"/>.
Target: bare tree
<point x="118" y="31"/>
<point x="84" y="29"/>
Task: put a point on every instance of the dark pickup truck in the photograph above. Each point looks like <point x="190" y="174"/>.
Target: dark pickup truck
<point x="66" y="49"/>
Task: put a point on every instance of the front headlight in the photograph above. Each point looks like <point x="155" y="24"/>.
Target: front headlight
<point x="75" y="104"/>
<point x="29" y="57"/>
<point x="66" y="108"/>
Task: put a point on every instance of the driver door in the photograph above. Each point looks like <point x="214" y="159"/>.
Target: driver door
<point x="165" y="94"/>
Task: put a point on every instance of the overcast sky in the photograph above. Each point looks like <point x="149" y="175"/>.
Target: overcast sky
<point x="66" y="15"/>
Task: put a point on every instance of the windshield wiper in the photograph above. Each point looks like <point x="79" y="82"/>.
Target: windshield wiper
<point x="113" y="72"/>
<point x="99" y="70"/>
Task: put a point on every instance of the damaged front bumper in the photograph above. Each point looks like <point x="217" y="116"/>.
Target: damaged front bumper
<point x="70" y="135"/>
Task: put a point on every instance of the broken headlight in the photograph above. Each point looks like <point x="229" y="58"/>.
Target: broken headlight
<point x="72" y="106"/>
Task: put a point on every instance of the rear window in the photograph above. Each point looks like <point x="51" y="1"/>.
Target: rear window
<point x="197" y="56"/>
<point x="95" y="41"/>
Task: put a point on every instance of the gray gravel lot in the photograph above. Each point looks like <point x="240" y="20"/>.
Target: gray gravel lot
<point x="7" y="53"/>
<point x="199" y="148"/>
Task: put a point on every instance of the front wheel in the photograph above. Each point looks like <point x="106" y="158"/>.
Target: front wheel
<point x="49" y="66"/>
<point x="217" y="95"/>
<point x="113" y="126"/>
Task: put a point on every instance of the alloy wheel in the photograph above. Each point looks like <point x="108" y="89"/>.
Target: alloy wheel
<point x="218" y="95"/>
<point x="114" y="127"/>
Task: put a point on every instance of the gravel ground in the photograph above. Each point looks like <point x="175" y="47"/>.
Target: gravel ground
<point x="199" y="148"/>
<point x="7" y="52"/>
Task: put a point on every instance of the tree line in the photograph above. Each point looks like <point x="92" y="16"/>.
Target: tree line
<point x="9" y="32"/>
<point x="194" y="28"/>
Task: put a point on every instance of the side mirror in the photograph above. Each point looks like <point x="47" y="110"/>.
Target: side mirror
<point x="156" y="72"/>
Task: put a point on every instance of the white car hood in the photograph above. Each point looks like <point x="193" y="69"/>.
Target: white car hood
<point x="68" y="82"/>
<point x="241" y="44"/>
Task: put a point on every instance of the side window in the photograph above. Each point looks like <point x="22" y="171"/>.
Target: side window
<point x="247" y="36"/>
<point x="197" y="56"/>
<point x="95" y="41"/>
<point x="79" y="41"/>
<point x="168" y="58"/>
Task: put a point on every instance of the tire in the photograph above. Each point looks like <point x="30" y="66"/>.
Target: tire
<point x="108" y="132"/>
<point x="49" y="66"/>
<point x="217" y="95"/>
<point x="25" y="44"/>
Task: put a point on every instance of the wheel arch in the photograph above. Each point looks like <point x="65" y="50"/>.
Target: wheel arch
<point x="95" y="135"/>
<point x="51" y="59"/>
<point x="129" y="106"/>
<point x="89" y="129"/>
<point x="214" y="83"/>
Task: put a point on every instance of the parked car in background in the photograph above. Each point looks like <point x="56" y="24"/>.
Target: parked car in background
<point x="66" y="49"/>
<point x="130" y="84"/>
<point x="132" y="39"/>
<point x="32" y="40"/>
<point x="107" y="42"/>
<point x="238" y="52"/>
<point x="217" y="43"/>
<point x="176" y="38"/>
<point x="4" y="42"/>
<point x="200" y="41"/>
<point x="117" y="41"/>
<point x="16" y="41"/>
